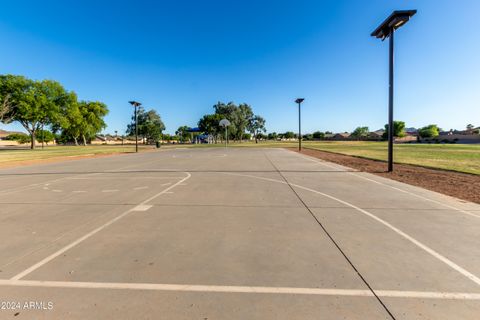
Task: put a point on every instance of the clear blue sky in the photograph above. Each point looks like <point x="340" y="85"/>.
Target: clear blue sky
<point x="180" y="57"/>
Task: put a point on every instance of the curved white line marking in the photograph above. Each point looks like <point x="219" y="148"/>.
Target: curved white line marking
<point x="91" y="233"/>
<point x="422" y="246"/>
<point x="325" y="163"/>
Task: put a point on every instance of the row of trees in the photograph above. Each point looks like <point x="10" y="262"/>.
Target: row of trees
<point x="430" y="131"/>
<point x="46" y="103"/>
<point x="241" y="117"/>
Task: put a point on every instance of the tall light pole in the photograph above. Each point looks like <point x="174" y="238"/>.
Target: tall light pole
<point x="299" y="102"/>
<point x="387" y="30"/>
<point x="136" y="104"/>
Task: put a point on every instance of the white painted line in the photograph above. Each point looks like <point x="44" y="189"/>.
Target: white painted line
<point x="395" y="188"/>
<point x="429" y="295"/>
<point x="141" y="207"/>
<point x="91" y="233"/>
<point x="110" y="190"/>
<point x="56" y="190"/>
<point x="79" y="191"/>
<point x="424" y="247"/>
<point x="419" y="196"/>
<point x="241" y="289"/>
<point x="140" y="188"/>
<point x="46" y="183"/>
<point x="122" y="177"/>
<point x="32" y="186"/>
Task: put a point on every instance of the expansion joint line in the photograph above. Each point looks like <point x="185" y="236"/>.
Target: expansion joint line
<point x="330" y="237"/>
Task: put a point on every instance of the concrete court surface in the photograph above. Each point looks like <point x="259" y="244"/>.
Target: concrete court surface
<point x="231" y="234"/>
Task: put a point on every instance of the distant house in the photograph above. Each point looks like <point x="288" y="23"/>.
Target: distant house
<point x="376" y="135"/>
<point x="467" y="132"/>
<point x="101" y="139"/>
<point x="411" y="131"/>
<point x="446" y="133"/>
<point x="3" y="134"/>
<point x="341" y="136"/>
<point x="473" y="131"/>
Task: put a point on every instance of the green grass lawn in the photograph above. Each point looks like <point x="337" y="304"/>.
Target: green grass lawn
<point x="10" y="156"/>
<point x="456" y="157"/>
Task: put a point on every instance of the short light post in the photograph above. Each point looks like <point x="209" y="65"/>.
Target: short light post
<point x="299" y="102"/>
<point x="387" y="30"/>
<point x="225" y="123"/>
<point x="136" y="104"/>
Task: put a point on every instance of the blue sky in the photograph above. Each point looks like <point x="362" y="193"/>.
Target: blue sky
<point x="180" y="57"/>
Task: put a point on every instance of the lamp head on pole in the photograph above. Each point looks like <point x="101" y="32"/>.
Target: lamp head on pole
<point x="299" y="100"/>
<point x="135" y="103"/>
<point x="393" y="22"/>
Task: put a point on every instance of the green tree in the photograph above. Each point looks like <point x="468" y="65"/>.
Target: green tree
<point x="72" y="124"/>
<point x="92" y="122"/>
<point x="289" y="135"/>
<point x="256" y="125"/>
<point x="32" y="103"/>
<point x="19" y="137"/>
<point x="229" y="111"/>
<point x="244" y="114"/>
<point x="261" y="136"/>
<point x="398" y="129"/>
<point x="272" y="136"/>
<point x="183" y="133"/>
<point x="45" y="136"/>
<point x="308" y="136"/>
<point x="318" y="135"/>
<point x="360" y="133"/>
<point x="246" y="136"/>
<point x="152" y="126"/>
<point x="81" y="120"/>
<point x="5" y="108"/>
<point x="430" y="131"/>
<point x="140" y="119"/>
<point x="209" y="124"/>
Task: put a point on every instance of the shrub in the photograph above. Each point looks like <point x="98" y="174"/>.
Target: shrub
<point x="19" y="137"/>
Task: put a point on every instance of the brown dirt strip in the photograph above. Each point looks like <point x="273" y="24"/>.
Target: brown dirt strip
<point x="456" y="184"/>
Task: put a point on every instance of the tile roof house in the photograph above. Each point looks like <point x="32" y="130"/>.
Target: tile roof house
<point x="341" y="136"/>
